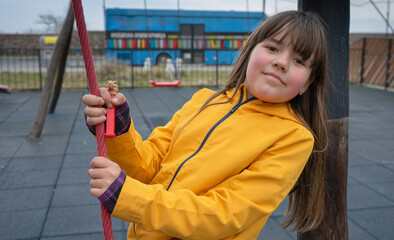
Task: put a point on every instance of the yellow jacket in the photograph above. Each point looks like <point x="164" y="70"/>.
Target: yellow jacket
<point x="227" y="171"/>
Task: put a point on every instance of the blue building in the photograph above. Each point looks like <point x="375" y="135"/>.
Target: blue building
<point x="195" y="36"/>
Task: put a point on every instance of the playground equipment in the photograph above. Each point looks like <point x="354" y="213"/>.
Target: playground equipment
<point x="5" y="88"/>
<point x="171" y="71"/>
<point x="174" y="83"/>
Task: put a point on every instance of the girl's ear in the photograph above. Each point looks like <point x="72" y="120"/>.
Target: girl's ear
<point x="304" y="89"/>
<point x="307" y="84"/>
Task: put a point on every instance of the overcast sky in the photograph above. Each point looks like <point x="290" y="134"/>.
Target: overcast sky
<point x="20" y="16"/>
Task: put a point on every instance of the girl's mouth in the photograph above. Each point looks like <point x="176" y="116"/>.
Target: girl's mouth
<point x="274" y="77"/>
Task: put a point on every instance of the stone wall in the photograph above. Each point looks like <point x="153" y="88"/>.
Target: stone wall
<point x="32" y="41"/>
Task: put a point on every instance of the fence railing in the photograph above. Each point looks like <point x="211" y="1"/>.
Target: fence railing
<point x="25" y="69"/>
<point x="371" y="62"/>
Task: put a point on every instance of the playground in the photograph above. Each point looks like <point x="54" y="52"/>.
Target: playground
<point x="43" y="178"/>
<point x="51" y="200"/>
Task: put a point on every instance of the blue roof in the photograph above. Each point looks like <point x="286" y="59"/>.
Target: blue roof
<point x="169" y="20"/>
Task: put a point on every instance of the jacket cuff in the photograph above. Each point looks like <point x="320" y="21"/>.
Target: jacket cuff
<point x="110" y="196"/>
<point x="134" y="195"/>
<point x="122" y="120"/>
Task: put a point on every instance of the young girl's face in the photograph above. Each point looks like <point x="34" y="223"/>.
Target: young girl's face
<point x="275" y="73"/>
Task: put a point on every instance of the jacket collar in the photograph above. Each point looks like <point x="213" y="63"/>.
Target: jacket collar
<point x="241" y="89"/>
<point x="281" y="110"/>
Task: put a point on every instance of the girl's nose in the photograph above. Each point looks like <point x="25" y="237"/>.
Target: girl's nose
<point x="281" y="62"/>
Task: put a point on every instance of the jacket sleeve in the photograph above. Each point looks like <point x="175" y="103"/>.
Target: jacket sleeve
<point x="141" y="159"/>
<point x="228" y="208"/>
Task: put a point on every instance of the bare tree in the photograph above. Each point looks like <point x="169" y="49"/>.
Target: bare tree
<point x="52" y="23"/>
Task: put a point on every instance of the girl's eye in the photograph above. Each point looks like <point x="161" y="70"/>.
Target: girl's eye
<point x="299" y="61"/>
<point x="272" y="49"/>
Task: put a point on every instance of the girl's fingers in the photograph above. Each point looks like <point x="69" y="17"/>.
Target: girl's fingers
<point x="92" y="100"/>
<point x="119" y="99"/>
<point x="103" y="173"/>
<point x="97" y="173"/>
<point x="106" y="96"/>
<point x="97" y="192"/>
<point x="96" y="120"/>
<point x="96" y="183"/>
<point x="100" y="162"/>
<point x="95" y="115"/>
<point x="100" y="183"/>
<point x="95" y="111"/>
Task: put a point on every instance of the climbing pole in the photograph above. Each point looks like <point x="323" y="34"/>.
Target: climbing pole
<point x="94" y="89"/>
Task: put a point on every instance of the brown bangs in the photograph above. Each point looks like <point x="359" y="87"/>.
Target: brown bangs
<point x="306" y="35"/>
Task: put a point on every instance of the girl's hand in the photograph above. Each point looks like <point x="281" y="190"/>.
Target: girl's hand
<point x="103" y="173"/>
<point x="96" y="110"/>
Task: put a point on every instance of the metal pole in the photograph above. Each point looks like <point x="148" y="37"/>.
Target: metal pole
<point x="104" y="15"/>
<point x="386" y="85"/>
<point x="247" y="12"/>
<point x="179" y="14"/>
<point x="146" y="15"/>
<point x="362" y="60"/>
<point x="388" y="18"/>
<point x="8" y="67"/>
<point x="381" y="14"/>
<point x="147" y="30"/>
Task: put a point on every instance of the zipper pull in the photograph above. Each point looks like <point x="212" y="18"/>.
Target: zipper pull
<point x="235" y="108"/>
<point x="238" y="104"/>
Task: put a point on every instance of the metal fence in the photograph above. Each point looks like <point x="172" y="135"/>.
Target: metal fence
<point x="370" y="62"/>
<point x="25" y="69"/>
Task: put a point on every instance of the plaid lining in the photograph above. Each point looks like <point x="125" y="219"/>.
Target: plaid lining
<point x="110" y="196"/>
<point x="122" y="120"/>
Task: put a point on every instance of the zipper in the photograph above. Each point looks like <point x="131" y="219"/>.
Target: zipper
<point x="233" y="109"/>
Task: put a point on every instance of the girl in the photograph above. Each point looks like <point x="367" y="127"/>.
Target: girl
<point x="227" y="159"/>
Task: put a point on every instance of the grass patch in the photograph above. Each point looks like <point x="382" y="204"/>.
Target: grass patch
<point x="126" y="75"/>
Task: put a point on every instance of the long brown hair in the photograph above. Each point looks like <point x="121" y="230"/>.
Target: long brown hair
<point x="308" y="34"/>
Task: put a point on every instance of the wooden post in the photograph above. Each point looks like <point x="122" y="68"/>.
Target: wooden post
<point x="48" y="83"/>
<point x="336" y="14"/>
<point x="62" y="67"/>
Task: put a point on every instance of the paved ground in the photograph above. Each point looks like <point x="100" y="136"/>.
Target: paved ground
<point x="44" y="191"/>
